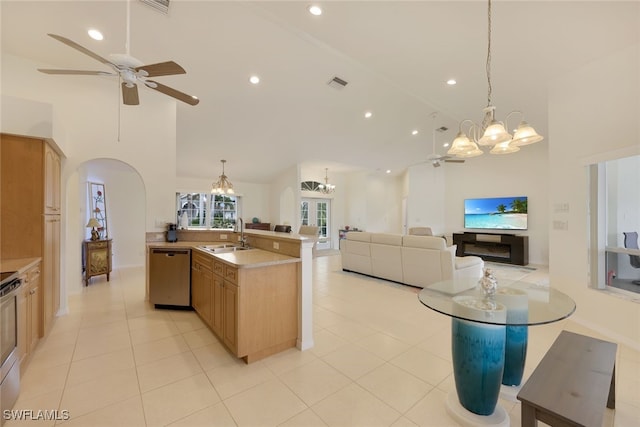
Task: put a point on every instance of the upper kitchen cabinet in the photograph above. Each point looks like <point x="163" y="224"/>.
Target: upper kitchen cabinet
<point x="51" y="181"/>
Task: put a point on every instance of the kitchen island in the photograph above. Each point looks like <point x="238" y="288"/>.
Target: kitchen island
<point x="253" y="300"/>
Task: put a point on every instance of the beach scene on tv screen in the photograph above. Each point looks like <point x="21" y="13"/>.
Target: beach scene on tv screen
<point x="502" y="213"/>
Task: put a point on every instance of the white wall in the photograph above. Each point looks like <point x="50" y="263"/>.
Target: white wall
<point x="285" y="195"/>
<point x="426" y="196"/>
<point x="374" y="202"/>
<point x="525" y="173"/>
<point x="592" y="111"/>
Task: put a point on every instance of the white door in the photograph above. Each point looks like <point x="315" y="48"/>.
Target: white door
<point x="317" y="212"/>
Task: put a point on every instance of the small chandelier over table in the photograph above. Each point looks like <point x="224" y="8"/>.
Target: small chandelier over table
<point x="491" y="133"/>
<point x="326" y="188"/>
<point x="223" y="185"/>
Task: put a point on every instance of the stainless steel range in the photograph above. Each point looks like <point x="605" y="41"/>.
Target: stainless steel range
<point x="9" y="363"/>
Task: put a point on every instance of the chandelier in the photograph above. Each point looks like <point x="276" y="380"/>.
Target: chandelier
<point x="326" y="188"/>
<point x="223" y="185"/>
<point x="491" y="133"/>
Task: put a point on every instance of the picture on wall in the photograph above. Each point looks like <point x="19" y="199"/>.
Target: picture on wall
<point x="98" y="207"/>
<point x="496" y="213"/>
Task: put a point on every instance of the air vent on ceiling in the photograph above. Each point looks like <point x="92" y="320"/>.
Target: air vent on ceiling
<point x="442" y="129"/>
<point x="337" y="83"/>
<point x="161" y="5"/>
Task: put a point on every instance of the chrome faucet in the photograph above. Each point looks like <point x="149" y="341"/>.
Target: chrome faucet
<point x="243" y="240"/>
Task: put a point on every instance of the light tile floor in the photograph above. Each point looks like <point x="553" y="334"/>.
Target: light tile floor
<point x="380" y="359"/>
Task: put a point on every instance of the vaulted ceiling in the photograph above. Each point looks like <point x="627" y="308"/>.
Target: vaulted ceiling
<point x="396" y="57"/>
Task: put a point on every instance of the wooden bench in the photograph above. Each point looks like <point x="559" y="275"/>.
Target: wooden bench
<point x="572" y="384"/>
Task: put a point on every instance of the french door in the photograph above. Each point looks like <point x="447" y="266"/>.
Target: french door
<point x="317" y="212"/>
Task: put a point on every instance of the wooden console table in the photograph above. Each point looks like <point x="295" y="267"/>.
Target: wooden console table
<point x="96" y="258"/>
<point x="258" y="226"/>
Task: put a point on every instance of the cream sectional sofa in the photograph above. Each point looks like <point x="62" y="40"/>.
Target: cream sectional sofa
<point x="412" y="260"/>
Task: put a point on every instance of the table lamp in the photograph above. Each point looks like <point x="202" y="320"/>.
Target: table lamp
<point x="93" y="223"/>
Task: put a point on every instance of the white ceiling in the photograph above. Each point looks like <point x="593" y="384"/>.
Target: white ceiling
<point x="395" y="55"/>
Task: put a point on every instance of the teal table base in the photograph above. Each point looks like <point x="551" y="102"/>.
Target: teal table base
<point x="478" y="352"/>
<point x="515" y="355"/>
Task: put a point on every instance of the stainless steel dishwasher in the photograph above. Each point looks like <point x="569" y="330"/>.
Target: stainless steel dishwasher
<point x="169" y="277"/>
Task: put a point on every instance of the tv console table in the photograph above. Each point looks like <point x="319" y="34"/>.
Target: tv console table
<point x="507" y="248"/>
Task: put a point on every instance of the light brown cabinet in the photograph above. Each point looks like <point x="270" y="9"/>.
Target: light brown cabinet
<point x="96" y="259"/>
<point x="29" y="313"/>
<point x="50" y="271"/>
<point x="30" y="213"/>
<point x="52" y="181"/>
<point x="253" y="311"/>
<point x="202" y="286"/>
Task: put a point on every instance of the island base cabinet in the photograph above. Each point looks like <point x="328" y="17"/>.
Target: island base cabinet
<point x="253" y="311"/>
<point x="267" y="305"/>
<point x="230" y="316"/>
<point x="202" y="280"/>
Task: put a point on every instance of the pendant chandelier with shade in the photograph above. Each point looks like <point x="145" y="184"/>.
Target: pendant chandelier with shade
<point x="222" y="185"/>
<point x="491" y="132"/>
<point x="326" y="188"/>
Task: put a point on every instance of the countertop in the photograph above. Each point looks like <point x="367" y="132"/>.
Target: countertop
<point x="19" y="264"/>
<point x="242" y="259"/>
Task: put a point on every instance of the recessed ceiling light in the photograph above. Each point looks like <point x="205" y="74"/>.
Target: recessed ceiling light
<point x="95" y="34"/>
<point x="254" y="80"/>
<point x="315" y="10"/>
<point x="451" y="82"/>
<point x="388" y="170"/>
<point x="414" y="132"/>
<point x="446" y="144"/>
<point x="368" y="114"/>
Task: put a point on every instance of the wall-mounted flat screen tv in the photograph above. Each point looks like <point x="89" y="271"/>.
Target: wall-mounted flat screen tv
<point x="496" y="213"/>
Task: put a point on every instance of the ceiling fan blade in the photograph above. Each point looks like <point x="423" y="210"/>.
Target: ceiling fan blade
<point x="168" y="68"/>
<point x="454" y="160"/>
<point x="181" y="96"/>
<point x="76" y="72"/>
<point x="130" y="95"/>
<point x="84" y="50"/>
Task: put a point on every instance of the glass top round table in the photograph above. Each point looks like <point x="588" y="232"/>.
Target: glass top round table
<point x="489" y="336"/>
<point x="543" y="304"/>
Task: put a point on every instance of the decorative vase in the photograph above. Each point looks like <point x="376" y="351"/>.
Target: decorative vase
<point x="488" y="283"/>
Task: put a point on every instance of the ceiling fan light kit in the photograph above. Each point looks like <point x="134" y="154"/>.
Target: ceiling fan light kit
<point x="491" y="133"/>
<point x="131" y="72"/>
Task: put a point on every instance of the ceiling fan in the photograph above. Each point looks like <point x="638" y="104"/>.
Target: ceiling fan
<point x="435" y="158"/>
<point x="131" y="72"/>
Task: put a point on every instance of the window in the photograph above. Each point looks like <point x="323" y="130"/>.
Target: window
<point x="204" y="210"/>
<point x="615" y="208"/>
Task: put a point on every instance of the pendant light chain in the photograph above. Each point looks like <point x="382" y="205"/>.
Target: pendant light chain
<point x="488" y="67"/>
<point x="491" y="132"/>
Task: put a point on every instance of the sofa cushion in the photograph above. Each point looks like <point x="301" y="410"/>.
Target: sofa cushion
<point x="467" y="261"/>
<point x="386" y="259"/>
<point x="425" y="242"/>
<point x="360" y="236"/>
<point x="421" y="267"/>
<point x="387" y="239"/>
